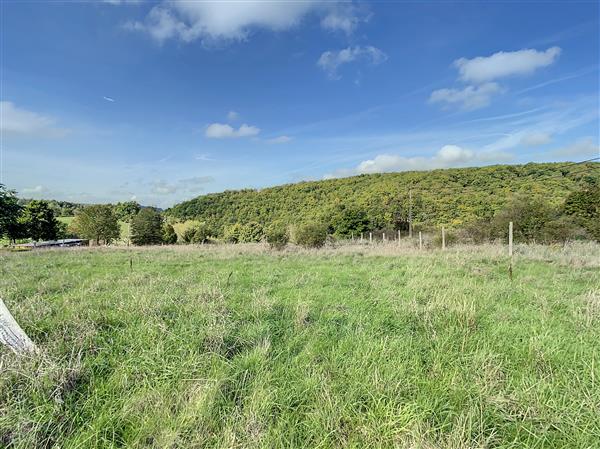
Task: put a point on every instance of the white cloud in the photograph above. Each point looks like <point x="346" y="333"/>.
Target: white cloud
<point x="189" y="185"/>
<point x="279" y="140"/>
<point x="232" y="115"/>
<point x="20" y="121"/>
<point x="222" y="131"/>
<point x="535" y="139"/>
<point x="331" y="60"/>
<point x="215" y="21"/>
<point x="37" y="190"/>
<point x="121" y="2"/>
<point x="344" y="17"/>
<point x="469" y="98"/>
<point x="584" y="147"/>
<point x="503" y="64"/>
<point x="447" y="156"/>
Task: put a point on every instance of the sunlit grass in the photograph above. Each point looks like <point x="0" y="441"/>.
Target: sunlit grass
<point x="355" y="346"/>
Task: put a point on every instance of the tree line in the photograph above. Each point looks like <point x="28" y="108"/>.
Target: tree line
<point x="546" y="202"/>
<point x="450" y="197"/>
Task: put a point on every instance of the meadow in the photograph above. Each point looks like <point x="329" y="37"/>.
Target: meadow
<point x="239" y="346"/>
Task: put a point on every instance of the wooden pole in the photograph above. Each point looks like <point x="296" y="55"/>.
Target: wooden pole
<point x="410" y="214"/>
<point x="11" y="333"/>
<point x="370" y="237"/>
<point x="384" y="236"/>
<point x="420" y="240"/>
<point x="443" y="238"/>
<point x="510" y="239"/>
<point x="399" y="235"/>
<point x="510" y="250"/>
<point x="361" y="237"/>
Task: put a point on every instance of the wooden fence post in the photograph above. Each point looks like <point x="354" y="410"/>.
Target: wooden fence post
<point x="420" y="240"/>
<point x="443" y="238"/>
<point x="361" y="237"/>
<point x="510" y="249"/>
<point x="370" y="237"/>
<point x="399" y="235"/>
<point x="384" y="236"/>
<point x="510" y="239"/>
<point x="11" y="333"/>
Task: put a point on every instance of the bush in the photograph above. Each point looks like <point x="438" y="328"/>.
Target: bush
<point x="251" y="232"/>
<point x="232" y="233"/>
<point x="561" y="230"/>
<point x="201" y="233"/>
<point x="277" y="236"/>
<point x="311" y="235"/>
<point x="188" y="234"/>
<point x="450" y="236"/>
<point x="169" y="235"/>
<point x="477" y="232"/>
<point x="529" y="216"/>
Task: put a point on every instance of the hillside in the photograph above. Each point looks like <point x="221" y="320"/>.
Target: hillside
<point x="448" y="196"/>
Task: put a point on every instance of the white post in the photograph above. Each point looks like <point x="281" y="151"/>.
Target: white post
<point x="11" y="333"/>
<point x="443" y="238"/>
<point x="420" y="240"/>
<point x="398" y="236"/>
<point x="384" y="236"/>
<point x="370" y="237"/>
<point x="361" y="237"/>
<point x="510" y="239"/>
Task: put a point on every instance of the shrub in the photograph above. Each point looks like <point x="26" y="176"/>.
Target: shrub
<point x="311" y="235"/>
<point x="450" y="236"/>
<point x="201" y="233"/>
<point x="188" y="234"/>
<point x="169" y="235"/>
<point x="529" y="216"/>
<point x="277" y="236"/>
<point x="251" y="232"/>
<point x="477" y="232"/>
<point x="561" y="230"/>
<point x="232" y="233"/>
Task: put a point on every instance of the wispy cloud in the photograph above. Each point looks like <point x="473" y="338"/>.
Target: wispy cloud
<point x="330" y="61"/>
<point x="20" y="121"/>
<point x="469" y="98"/>
<point x="225" y="131"/>
<point x="279" y="140"/>
<point x="110" y="99"/>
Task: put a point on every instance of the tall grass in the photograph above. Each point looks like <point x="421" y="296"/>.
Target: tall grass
<point x="353" y="346"/>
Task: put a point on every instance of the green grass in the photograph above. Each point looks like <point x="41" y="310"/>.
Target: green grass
<point x="237" y="346"/>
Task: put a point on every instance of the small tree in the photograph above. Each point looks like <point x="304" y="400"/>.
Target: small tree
<point x="146" y="228"/>
<point x="311" y="235"/>
<point x="10" y="212"/>
<point x="277" y="236"/>
<point x="39" y="221"/>
<point x="169" y="235"/>
<point x="97" y="222"/>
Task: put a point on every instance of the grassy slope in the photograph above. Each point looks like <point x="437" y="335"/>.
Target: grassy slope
<point x="326" y="349"/>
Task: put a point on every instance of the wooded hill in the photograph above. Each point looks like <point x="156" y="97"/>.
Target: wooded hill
<point x="439" y="197"/>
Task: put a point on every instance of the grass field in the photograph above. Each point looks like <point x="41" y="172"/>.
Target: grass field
<point x="237" y="346"/>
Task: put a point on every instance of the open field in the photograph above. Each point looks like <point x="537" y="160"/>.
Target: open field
<point x="238" y="346"/>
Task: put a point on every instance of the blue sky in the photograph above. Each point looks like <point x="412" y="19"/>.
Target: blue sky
<point x="164" y="101"/>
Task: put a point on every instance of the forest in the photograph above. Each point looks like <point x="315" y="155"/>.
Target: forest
<point x="450" y="197"/>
